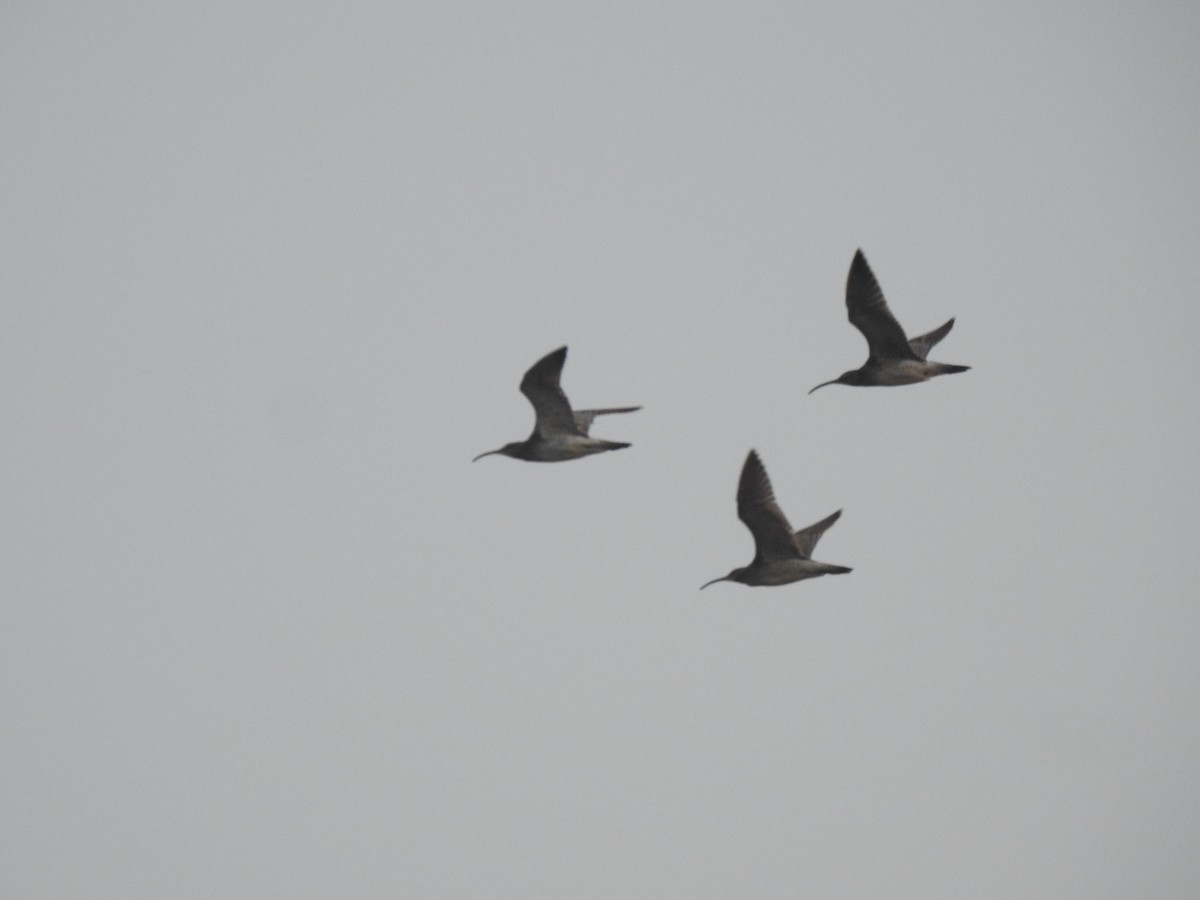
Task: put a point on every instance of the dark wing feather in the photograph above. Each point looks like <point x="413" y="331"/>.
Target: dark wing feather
<point x="550" y="404"/>
<point x="869" y="313"/>
<point x="758" y="510"/>
<point x="584" y="417"/>
<point x="926" y="342"/>
<point x="806" y="538"/>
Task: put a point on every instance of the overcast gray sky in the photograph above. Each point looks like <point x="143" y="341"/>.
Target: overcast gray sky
<point x="271" y="274"/>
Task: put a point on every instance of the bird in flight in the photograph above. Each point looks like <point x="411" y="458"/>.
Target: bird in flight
<point x="781" y="555"/>
<point x="559" y="432"/>
<point x="894" y="359"/>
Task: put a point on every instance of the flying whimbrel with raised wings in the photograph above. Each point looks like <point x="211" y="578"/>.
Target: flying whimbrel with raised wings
<point x="781" y="555"/>
<point x="559" y="432"/>
<point x="894" y="359"/>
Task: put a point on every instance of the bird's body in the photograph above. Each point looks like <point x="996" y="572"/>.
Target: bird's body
<point x="781" y="555"/>
<point x="559" y="433"/>
<point x="783" y="572"/>
<point x="556" y="447"/>
<point x="894" y="359"/>
<point x="893" y="373"/>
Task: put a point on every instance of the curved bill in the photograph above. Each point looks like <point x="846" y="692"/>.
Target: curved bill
<point x="489" y="453"/>
<point x="714" y="581"/>
<point x="824" y="384"/>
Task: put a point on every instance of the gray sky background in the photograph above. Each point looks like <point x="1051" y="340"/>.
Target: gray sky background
<point x="271" y="274"/>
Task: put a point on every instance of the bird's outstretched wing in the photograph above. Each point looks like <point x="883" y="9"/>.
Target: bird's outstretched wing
<point x="806" y="538"/>
<point x="923" y="344"/>
<point x="584" y="417"/>
<point x="550" y="404"/>
<point x="869" y="313"/>
<point x="757" y="508"/>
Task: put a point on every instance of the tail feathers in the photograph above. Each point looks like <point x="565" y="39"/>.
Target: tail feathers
<point x="830" y="569"/>
<point x="614" y="445"/>
<point x="948" y="369"/>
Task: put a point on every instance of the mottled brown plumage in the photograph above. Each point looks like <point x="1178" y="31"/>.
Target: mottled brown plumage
<point x="781" y="555"/>
<point x="558" y="432"/>
<point x="893" y="358"/>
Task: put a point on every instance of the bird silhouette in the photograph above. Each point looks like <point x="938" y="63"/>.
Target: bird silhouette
<point x="781" y="555"/>
<point x="559" y="433"/>
<point x="894" y="358"/>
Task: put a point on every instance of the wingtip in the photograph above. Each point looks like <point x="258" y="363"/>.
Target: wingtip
<point x="860" y="270"/>
<point x="554" y="357"/>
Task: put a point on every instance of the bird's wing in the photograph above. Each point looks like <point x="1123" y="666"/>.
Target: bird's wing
<point x="550" y="404"/>
<point x="923" y="344"/>
<point x="584" y="417"/>
<point x="806" y="538"/>
<point x="761" y="514"/>
<point x="869" y="313"/>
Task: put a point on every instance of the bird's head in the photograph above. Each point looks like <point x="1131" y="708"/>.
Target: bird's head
<point x="513" y="450"/>
<point x="735" y="575"/>
<point x="854" y="376"/>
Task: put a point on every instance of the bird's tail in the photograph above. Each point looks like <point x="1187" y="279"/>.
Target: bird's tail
<point x="948" y="369"/>
<point x="831" y="569"/>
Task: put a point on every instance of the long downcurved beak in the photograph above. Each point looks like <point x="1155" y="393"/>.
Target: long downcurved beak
<point x="824" y="384"/>
<point x="714" y="581"/>
<point x="482" y="455"/>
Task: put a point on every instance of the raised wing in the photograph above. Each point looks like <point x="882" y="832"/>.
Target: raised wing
<point x="869" y="313"/>
<point x="806" y="538"/>
<point x="550" y="404"/>
<point x="923" y="344"/>
<point x="584" y="417"/>
<point x="758" y="510"/>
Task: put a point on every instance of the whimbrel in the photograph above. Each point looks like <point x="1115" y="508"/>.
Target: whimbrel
<point x="559" y="432"/>
<point x="781" y="555"/>
<point x="894" y="359"/>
